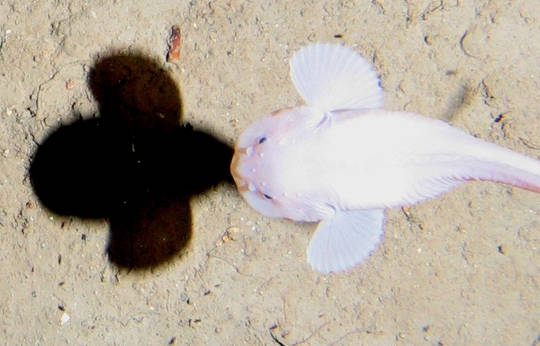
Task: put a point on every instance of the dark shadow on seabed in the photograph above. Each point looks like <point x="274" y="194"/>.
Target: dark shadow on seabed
<point x="136" y="164"/>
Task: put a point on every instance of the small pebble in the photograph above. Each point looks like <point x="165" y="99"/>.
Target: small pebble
<point x="64" y="319"/>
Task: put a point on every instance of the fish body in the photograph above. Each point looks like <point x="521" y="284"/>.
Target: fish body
<point x="341" y="159"/>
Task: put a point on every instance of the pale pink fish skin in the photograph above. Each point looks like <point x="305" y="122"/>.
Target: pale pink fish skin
<point x="312" y="164"/>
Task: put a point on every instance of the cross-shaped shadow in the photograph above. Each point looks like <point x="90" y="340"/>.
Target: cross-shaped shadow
<point x="136" y="164"/>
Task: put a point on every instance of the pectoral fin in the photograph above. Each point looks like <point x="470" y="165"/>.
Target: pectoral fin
<point x="333" y="77"/>
<point x="345" y="240"/>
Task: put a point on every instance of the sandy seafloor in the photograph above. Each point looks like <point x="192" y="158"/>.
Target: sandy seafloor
<point x="459" y="269"/>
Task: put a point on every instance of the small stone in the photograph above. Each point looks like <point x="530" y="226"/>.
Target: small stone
<point x="226" y="237"/>
<point x="64" y="319"/>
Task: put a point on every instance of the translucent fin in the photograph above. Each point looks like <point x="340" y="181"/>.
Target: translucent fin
<point x="345" y="240"/>
<point x="332" y="77"/>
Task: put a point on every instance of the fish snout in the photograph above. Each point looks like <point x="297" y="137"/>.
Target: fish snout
<point x="240" y="167"/>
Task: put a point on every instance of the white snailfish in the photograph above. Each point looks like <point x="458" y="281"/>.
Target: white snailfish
<point x="341" y="159"/>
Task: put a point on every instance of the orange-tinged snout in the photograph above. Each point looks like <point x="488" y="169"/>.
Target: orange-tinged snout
<point x="239" y="169"/>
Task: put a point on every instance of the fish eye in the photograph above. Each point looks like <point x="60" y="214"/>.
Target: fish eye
<point x="262" y="140"/>
<point x="267" y="196"/>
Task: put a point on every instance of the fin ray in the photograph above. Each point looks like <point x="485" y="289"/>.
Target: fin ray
<point x="332" y="77"/>
<point x="345" y="240"/>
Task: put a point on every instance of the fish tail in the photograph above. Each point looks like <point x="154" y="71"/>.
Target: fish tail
<point x="505" y="166"/>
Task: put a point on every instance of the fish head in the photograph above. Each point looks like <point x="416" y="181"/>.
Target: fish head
<point x="258" y="165"/>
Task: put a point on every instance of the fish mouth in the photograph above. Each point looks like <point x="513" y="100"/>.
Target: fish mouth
<point x="236" y="165"/>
